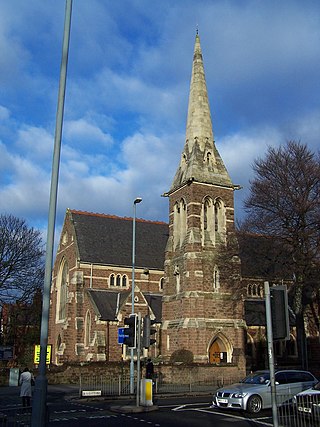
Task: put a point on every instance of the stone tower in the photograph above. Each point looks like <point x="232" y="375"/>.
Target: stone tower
<point x="202" y="303"/>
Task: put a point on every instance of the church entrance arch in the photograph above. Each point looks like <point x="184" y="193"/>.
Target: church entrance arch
<point x="219" y="350"/>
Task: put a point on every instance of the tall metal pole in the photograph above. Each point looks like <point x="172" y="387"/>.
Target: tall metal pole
<point x="138" y="360"/>
<point x="137" y="200"/>
<point x="270" y="354"/>
<point x="40" y="392"/>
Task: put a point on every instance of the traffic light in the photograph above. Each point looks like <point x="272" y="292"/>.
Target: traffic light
<point x="279" y="313"/>
<point x="148" y="331"/>
<point x="130" y="332"/>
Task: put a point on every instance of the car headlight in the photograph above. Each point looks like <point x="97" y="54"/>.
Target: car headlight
<point x="239" y="395"/>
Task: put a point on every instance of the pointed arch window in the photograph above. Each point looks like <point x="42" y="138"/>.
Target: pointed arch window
<point x="207" y="219"/>
<point x="219" y="220"/>
<point x="59" y="342"/>
<point x="183" y="220"/>
<point x="216" y="279"/>
<point x="124" y="281"/>
<point x="176" y="224"/>
<point x="111" y="280"/>
<point x="87" y="333"/>
<point x="179" y="223"/>
<point x="118" y="280"/>
<point x="63" y="290"/>
<point x="177" y="276"/>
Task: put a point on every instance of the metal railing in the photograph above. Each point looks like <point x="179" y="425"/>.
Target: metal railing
<point x="15" y="416"/>
<point x="303" y="411"/>
<point x="104" y="385"/>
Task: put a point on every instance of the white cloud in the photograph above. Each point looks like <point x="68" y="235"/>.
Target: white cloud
<point x="127" y="88"/>
<point x="81" y="133"/>
<point x="36" y="144"/>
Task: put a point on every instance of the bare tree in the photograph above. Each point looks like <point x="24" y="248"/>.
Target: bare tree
<point x="284" y="202"/>
<point x="21" y="260"/>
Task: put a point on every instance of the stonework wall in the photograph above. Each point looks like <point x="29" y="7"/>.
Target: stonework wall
<point x="169" y="374"/>
<point x="194" y="313"/>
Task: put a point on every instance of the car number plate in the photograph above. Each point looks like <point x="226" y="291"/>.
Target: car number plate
<point x="223" y="400"/>
<point x="306" y="410"/>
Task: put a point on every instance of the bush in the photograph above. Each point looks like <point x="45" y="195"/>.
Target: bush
<point x="182" y="356"/>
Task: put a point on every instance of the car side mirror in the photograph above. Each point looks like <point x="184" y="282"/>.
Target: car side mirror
<point x="267" y="382"/>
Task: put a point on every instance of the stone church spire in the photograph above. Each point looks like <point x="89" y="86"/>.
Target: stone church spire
<point x="200" y="160"/>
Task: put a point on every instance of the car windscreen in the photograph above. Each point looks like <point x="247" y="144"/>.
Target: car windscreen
<point x="256" y="378"/>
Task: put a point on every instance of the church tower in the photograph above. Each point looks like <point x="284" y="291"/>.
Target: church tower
<point x="202" y="303"/>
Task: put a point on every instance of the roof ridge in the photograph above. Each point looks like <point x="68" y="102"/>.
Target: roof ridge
<point x="114" y="216"/>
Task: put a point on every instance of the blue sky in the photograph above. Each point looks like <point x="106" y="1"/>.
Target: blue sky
<point x="127" y="95"/>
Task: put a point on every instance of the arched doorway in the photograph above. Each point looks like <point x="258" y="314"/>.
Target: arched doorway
<point x="220" y="350"/>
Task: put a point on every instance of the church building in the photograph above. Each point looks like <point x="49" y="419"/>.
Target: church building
<point x="201" y="307"/>
<point x="188" y="273"/>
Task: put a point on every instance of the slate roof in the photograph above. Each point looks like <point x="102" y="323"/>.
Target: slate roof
<point x="107" y="240"/>
<point x="155" y="303"/>
<point x="107" y="303"/>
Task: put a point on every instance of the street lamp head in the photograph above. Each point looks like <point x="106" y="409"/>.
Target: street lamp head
<point x="137" y="200"/>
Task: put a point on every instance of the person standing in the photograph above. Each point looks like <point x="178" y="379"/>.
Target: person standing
<point x="149" y="369"/>
<point x="25" y="383"/>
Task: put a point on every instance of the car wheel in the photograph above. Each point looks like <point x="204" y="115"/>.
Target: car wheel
<point x="254" y="404"/>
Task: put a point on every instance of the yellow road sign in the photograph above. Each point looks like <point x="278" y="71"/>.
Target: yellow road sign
<point x="36" y="358"/>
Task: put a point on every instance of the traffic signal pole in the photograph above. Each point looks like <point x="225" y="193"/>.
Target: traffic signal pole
<point x="270" y="354"/>
<point x="138" y="359"/>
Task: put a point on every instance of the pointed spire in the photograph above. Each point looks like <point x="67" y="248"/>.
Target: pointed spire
<point x="199" y="122"/>
<point x="200" y="159"/>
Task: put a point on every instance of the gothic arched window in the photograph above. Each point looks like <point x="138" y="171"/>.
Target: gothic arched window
<point x="111" y="280"/>
<point x="87" y="332"/>
<point x="216" y="279"/>
<point x="183" y="220"/>
<point x="207" y="221"/>
<point x="179" y="222"/>
<point x="124" y="281"/>
<point x="63" y="290"/>
<point x="219" y="220"/>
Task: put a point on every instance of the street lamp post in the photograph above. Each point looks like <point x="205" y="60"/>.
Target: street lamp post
<point x="39" y="404"/>
<point x="136" y="201"/>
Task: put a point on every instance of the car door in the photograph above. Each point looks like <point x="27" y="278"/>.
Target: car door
<point x="282" y="387"/>
<point x="299" y="381"/>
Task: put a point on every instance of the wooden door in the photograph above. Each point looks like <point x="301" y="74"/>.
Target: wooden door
<point x="214" y="353"/>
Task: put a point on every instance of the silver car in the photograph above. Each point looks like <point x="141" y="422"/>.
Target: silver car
<point x="253" y="393"/>
<point x="307" y="403"/>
